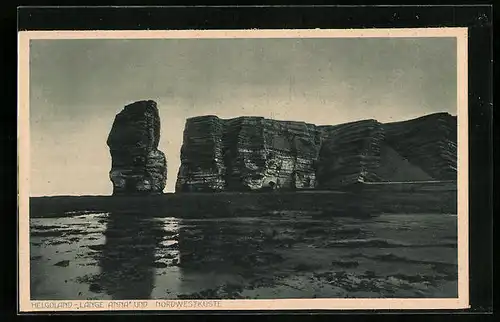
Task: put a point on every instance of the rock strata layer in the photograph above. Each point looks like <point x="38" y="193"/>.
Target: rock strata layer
<point x="254" y="153"/>
<point x="137" y="164"/>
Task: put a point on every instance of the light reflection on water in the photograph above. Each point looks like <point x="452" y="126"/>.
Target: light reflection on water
<point x="141" y="256"/>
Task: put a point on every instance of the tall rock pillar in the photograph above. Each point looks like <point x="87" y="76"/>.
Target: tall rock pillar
<point x="138" y="167"/>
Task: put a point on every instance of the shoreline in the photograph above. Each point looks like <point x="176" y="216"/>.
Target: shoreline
<point x="368" y="199"/>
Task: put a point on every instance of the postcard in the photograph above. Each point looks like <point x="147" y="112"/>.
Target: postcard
<point x="243" y="169"/>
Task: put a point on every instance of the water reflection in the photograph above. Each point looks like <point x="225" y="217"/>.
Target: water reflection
<point x="146" y="255"/>
<point x="128" y="256"/>
<point x="293" y="255"/>
<point x="222" y="257"/>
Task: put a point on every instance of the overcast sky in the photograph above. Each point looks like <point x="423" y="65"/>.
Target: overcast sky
<point x="78" y="86"/>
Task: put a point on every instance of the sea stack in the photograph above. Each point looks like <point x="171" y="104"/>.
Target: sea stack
<point x="138" y="167"/>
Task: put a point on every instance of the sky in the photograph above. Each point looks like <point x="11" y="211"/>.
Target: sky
<point x="77" y="87"/>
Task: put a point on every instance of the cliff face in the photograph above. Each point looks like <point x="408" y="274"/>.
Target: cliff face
<point x="247" y="153"/>
<point x="252" y="153"/>
<point x="350" y="153"/>
<point x="429" y="142"/>
<point x="137" y="164"/>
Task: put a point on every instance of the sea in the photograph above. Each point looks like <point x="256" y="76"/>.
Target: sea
<point x="275" y="255"/>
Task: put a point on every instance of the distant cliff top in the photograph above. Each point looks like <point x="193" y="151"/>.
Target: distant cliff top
<point x="439" y="115"/>
<point x="443" y="115"/>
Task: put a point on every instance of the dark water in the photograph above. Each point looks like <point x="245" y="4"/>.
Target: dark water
<point x="278" y="255"/>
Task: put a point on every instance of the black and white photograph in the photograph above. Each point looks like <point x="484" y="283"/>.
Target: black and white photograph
<point x="221" y="168"/>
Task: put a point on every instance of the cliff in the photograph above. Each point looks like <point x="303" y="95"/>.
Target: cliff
<point x="137" y="164"/>
<point x="254" y="153"/>
<point x="428" y="142"/>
